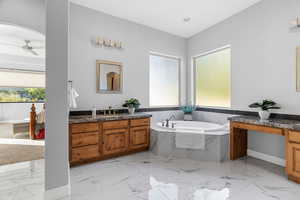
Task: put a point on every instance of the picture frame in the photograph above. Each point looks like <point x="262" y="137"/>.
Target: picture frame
<point x="109" y="77"/>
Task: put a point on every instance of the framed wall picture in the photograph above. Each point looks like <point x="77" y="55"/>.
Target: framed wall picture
<point x="298" y="68"/>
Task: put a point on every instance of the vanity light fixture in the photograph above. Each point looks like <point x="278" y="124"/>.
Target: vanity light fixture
<point x="101" y="41"/>
<point x="186" y="19"/>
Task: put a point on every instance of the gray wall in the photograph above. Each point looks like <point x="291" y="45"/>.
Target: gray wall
<point x="263" y="53"/>
<point x="57" y="116"/>
<point x="138" y="41"/>
<point x="263" y="61"/>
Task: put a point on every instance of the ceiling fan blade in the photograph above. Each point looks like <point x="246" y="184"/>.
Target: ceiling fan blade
<point x="30" y="51"/>
<point x="38" y="47"/>
<point x="33" y="52"/>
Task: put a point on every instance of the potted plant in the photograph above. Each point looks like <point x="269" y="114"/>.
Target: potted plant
<point x="187" y="111"/>
<point x="265" y="106"/>
<point x="131" y="105"/>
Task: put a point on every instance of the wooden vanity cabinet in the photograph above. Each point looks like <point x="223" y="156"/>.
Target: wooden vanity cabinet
<point x="293" y="155"/>
<point x="97" y="141"/>
<point x="84" y="142"/>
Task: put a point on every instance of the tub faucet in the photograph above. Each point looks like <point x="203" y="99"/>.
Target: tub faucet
<point x="168" y="120"/>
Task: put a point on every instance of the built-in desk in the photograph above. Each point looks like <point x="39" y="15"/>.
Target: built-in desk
<point x="240" y="125"/>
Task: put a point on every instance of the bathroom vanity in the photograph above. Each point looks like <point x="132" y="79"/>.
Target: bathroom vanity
<point x="239" y="126"/>
<point x="107" y="136"/>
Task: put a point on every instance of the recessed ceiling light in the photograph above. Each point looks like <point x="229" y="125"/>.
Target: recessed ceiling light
<point x="187" y="19"/>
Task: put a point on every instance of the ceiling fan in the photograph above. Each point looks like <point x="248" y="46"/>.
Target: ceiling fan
<point x="27" y="47"/>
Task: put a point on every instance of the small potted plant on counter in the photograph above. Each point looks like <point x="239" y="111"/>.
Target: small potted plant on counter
<point x="187" y="111"/>
<point x="265" y="106"/>
<point x="131" y="105"/>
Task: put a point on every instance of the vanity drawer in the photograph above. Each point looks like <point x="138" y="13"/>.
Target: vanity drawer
<point x="115" y="124"/>
<point x="84" y="139"/>
<point x="84" y="153"/>
<point x="294" y="136"/>
<point x="84" y="127"/>
<point x="140" y="122"/>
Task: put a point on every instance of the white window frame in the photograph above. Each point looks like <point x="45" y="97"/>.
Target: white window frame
<point x="195" y="76"/>
<point x="151" y="53"/>
<point x="24" y="71"/>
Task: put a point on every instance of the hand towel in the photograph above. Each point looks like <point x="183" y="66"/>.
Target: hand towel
<point x="73" y="95"/>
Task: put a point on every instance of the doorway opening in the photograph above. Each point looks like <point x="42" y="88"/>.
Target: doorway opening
<point x="22" y="94"/>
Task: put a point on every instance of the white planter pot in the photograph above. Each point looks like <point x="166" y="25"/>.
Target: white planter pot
<point x="188" y="117"/>
<point x="131" y="111"/>
<point x="264" y="115"/>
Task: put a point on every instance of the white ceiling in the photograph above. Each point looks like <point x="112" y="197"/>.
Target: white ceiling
<point x="12" y="39"/>
<point x="168" y="15"/>
<point x="12" y="55"/>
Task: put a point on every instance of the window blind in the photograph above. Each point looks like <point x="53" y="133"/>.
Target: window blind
<point x="24" y="79"/>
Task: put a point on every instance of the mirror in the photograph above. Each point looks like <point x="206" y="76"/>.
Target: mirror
<point x="298" y="68"/>
<point x="109" y="76"/>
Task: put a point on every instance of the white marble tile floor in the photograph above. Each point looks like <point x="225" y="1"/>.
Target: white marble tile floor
<point x="144" y="176"/>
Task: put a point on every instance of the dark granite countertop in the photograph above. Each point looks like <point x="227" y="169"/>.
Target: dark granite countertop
<point x="276" y="123"/>
<point x="99" y="118"/>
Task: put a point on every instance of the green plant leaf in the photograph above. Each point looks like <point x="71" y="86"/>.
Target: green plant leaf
<point x="265" y="105"/>
<point x="255" y="105"/>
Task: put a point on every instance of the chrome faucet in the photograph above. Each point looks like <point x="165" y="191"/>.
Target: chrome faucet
<point x="110" y="111"/>
<point x="168" y="120"/>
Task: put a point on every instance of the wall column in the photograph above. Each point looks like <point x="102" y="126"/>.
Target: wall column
<point x="57" y="61"/>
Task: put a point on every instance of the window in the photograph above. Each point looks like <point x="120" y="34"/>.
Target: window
<point x="164" y="81"/>
<point x="212" y="78"/>
<point x="21" y="86"/>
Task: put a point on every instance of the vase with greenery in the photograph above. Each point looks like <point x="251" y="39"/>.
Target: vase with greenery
<point x="187" y="111"/>
<point x="131" y="105"/>
<point x="265" y="106"/>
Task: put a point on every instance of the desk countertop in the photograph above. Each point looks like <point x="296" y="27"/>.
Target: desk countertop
<point x="275" y="123"/>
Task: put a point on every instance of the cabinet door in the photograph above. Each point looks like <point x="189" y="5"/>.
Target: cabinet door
<point x="293" y="161"/>
<point x="139" y="137"/>
<point x="115" y="141"/>
<point x="85" y="153"/>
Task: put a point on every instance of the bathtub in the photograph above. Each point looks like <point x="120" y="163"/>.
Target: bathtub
<point x="216" y="139"/>
<point x="197" y="127"/>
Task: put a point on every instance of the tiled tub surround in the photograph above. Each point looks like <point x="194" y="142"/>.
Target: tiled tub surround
<point x="163" y="143"/>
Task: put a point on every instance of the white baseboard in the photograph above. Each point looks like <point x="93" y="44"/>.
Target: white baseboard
<point x="58" y="193"/>
<point x="265" y="157"/>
